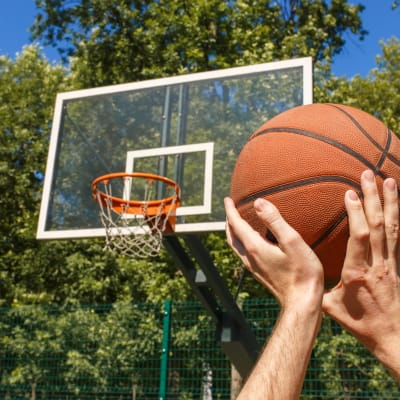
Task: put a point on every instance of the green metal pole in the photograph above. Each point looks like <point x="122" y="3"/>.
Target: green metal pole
<point x="165" y="351"/>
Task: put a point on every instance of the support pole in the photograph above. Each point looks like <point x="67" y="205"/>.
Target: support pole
<point x="237" y="339"/>
<point x="162" y="394"/>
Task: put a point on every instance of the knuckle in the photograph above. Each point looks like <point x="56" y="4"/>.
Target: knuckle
<point x="392" y="230"/>
<point x="377" y="222"/>
<point x="251" y="248"/>
<point x="271" y="216"/>
<point x="355" y="276"/>
<point x="291" y="238"/>
<point x="362" y="235"/>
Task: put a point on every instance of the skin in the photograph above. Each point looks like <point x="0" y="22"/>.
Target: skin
<point x="366" y="302"/>
<point x="297" y="282"/>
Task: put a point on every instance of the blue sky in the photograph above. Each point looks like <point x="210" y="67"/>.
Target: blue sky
<point x="357" y="57"/>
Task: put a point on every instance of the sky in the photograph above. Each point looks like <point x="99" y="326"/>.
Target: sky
<point x="16" y="16"/>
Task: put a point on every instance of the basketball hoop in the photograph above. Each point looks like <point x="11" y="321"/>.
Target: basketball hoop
<point x="135" y="227"/>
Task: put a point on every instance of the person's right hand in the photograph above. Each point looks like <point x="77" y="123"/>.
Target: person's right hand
<point x="289" y="268"/>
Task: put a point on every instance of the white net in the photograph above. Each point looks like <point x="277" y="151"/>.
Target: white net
<point x="136" y="234"/>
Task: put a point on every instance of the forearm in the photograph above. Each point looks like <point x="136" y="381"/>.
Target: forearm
<point x="280" y="370"/>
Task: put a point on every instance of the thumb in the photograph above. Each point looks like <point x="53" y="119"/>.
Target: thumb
<point x="331" y="300"/>
<point x="288" y="238"/>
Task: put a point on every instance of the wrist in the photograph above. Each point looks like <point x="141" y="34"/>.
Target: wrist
<point x="386" y="350"/>
<point x="304" y="312"/>
<point x="306" y="299"/>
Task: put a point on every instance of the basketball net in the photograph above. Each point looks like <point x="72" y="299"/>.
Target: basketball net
<point x="135" y="228"/>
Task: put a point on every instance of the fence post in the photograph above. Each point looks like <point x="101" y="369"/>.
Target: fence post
<point x="162" y="394"/>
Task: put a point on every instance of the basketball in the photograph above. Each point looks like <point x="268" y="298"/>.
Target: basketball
<point x="304" y="160"/>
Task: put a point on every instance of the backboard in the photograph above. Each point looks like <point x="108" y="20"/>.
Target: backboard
<point x="189" y="128"/>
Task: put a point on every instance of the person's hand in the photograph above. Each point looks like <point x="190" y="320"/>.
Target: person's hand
<point x="294" y="275"/>
<point x="367" y="300"/>
<point x="289" y="269"/>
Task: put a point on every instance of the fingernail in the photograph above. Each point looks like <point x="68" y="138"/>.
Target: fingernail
<point x="259" y="204"/>
<point x="369" y="176"/>
<point x="390" y="183"/>
<point x="352" y="195"/>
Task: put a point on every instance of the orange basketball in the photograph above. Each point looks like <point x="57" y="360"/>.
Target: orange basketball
<point x="304" y="160"/>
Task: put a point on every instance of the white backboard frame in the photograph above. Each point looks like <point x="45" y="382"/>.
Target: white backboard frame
<point x="208" y="148"/>
<point x="43" y="233"/>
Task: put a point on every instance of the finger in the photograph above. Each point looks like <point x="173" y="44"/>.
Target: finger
<point x="233" y="242"/>
<point x="229" y="236"/>
<point x="241" y="236"/>
<point x="287" y="237"/>
<point x="391" y="213"/>
<point x="374" y="214"/>
<point x="331" y="301"/>
<point x="238" y="227"/>
<point x="358" y="243"/>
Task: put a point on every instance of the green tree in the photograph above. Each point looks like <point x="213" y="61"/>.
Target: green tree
<point x="377" y="93"/>
<point x="100" y="350"/>
<point x="30" y="341"/>
<point x="28" y="87"/>
<point x="118" y="41"/>
<point x="340" y="357"/>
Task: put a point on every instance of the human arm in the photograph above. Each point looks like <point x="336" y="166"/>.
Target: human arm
<point x="367" y="300"/>
<point x="294" y="275"/>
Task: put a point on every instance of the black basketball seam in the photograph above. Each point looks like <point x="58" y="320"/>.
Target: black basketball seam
<point x="329" y="141"/>
<point x="358" y="125"/>
<point x="385" y="150"/>
<point x="306" y="182"/>
<point x="329" y="230"/>
<point x="293" y="185"/>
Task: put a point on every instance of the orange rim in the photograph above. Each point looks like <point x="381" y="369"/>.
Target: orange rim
<point x="151" y="207"/>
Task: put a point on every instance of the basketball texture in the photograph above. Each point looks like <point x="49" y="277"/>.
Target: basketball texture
<point x="304" y="160"/>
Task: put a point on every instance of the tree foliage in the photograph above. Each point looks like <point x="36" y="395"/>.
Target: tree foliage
<point x="28" y="87"/>
<point x="377" y="93"/>
<point x="125" y="40"/>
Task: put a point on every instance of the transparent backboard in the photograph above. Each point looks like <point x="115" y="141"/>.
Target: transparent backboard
<point x="189" y="128"/>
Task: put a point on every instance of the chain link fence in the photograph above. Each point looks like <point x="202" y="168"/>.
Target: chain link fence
<point x="160" y="351"/>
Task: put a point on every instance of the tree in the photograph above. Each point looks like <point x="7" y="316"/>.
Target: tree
<point x="27" y="92"/>
<point x="125" y="40"/>
<point x="60" y="352"/>
<point x="377" y="93"/>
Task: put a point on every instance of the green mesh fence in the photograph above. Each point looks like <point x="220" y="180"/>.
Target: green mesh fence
<point x="116" y="352"/>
